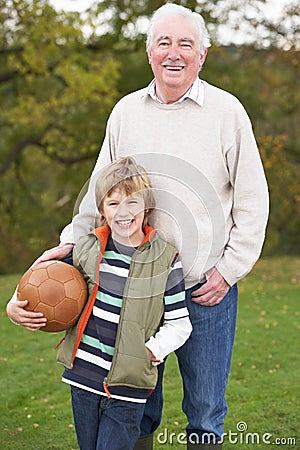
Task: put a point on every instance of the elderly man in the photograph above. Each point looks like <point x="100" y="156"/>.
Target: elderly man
<point x="197" y="143"/>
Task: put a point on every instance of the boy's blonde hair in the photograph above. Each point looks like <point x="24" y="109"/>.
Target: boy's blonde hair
<point x="127" y="176"/>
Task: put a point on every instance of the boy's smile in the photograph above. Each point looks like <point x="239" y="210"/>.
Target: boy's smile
<point x="124" y="222"/>
<point x="124" y="215"/>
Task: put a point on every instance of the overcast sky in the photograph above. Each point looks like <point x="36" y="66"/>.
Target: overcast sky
<point x="273" y="7"/>
<point x="272" y="10"/>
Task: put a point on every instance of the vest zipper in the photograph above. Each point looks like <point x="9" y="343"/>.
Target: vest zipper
<point x="106" y="380"/>
<point x="106" y="388"/>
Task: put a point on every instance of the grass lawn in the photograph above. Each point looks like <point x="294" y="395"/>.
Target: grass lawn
<point x="263" y="391"/>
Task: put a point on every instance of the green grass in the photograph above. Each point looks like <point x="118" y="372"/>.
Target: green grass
<point x="263" y="389"/>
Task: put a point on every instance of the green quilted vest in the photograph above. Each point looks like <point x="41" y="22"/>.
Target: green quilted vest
<point x="142" y="310"/>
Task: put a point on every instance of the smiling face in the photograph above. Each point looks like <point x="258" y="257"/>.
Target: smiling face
<point x="175" y="57"/>
<point x="124" y="215"/>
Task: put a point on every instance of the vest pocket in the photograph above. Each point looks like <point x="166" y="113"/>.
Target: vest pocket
<point x="132" y="366"/>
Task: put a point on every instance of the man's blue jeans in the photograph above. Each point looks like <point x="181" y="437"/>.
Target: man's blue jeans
<point x="105" y="424"/>
<point x="204" y="363"/>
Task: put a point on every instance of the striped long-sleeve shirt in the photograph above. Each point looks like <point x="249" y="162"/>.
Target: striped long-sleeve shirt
<point x="96" y="349"/>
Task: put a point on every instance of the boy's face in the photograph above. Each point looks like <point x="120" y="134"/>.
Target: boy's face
<point x="124" y="215"/>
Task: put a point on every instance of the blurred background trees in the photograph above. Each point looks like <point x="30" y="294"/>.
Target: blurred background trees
<point x="61" y="74"/>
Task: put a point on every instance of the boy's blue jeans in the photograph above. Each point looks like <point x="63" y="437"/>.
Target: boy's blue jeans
<point x="204" y="363"/>
<point x="105" y="424"/>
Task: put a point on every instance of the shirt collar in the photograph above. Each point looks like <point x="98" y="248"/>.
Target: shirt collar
<point x="195" y="93"/>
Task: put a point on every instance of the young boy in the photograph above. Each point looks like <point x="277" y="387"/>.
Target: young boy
<point x="135" y="315"/>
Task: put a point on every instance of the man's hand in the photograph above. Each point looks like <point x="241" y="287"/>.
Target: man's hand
<point x="59" y="252"/>
<point x="213" y="291"/>
<point x="32" y="321"/>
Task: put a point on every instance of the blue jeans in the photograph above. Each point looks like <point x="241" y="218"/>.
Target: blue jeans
<point x="204" y="363"/>
<point x="105" y="424"/>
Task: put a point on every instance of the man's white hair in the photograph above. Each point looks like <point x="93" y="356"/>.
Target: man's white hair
<point x="171" y="9"/>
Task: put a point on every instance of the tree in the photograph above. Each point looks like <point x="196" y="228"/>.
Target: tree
<point x="60" y="76"/>
<point x="55" y="98"/>
<point x="267" y="83"/>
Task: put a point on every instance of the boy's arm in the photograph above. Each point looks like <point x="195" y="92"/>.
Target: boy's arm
<point x="170" y="336"/>
<point x="176" y="326"/>
<point x="17" y="313"/>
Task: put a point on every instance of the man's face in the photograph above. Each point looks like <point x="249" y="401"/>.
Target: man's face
<point x="174" y="57"/>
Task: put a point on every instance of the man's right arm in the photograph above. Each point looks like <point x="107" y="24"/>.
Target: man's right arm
<point x="87" y="217"/>
<point x="84" y="221"/>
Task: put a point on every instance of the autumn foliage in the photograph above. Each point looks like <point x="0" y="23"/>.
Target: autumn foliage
<point x="58" y="86"/>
